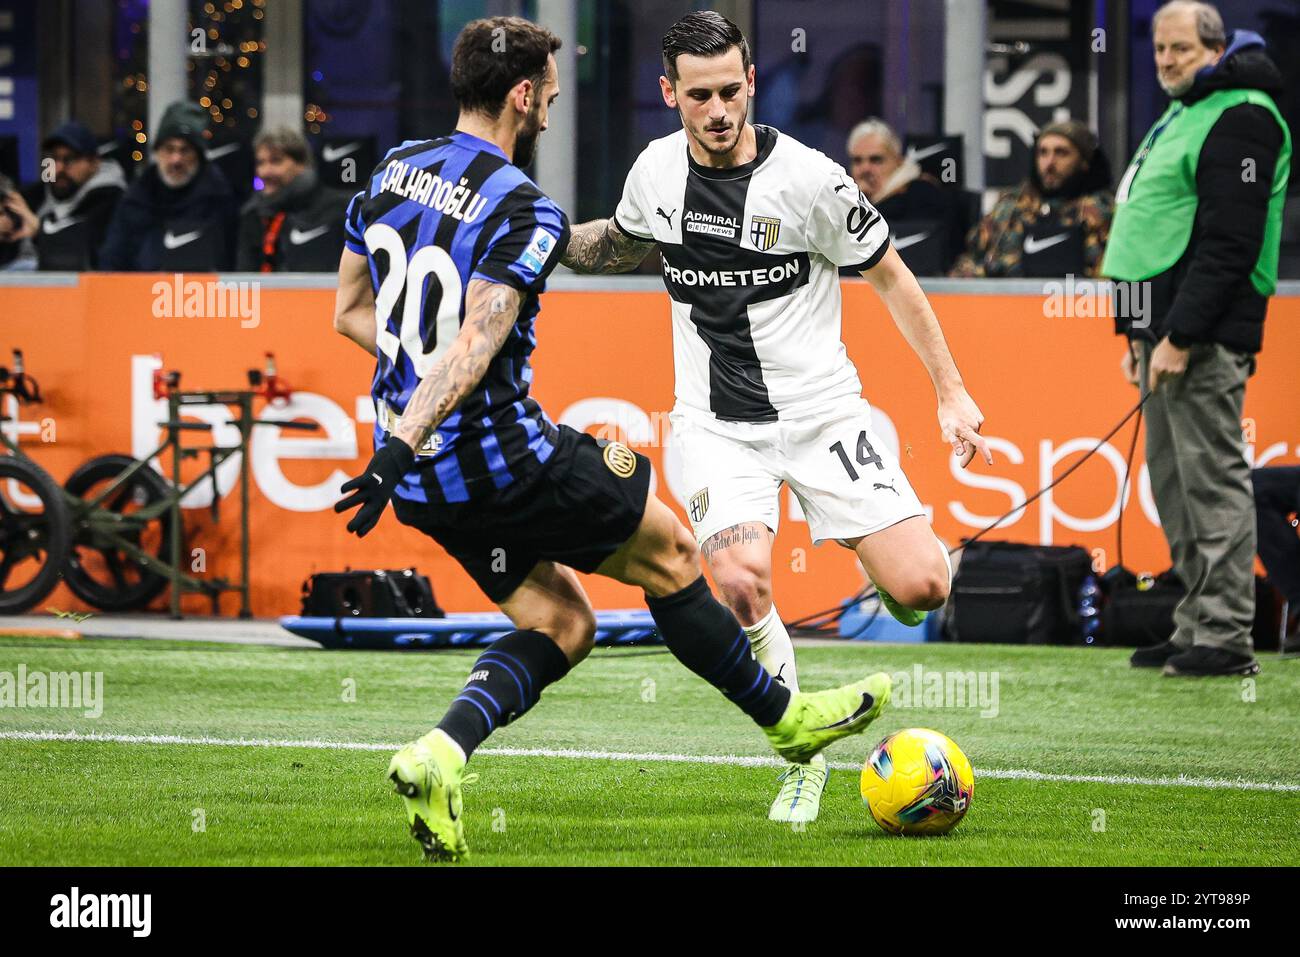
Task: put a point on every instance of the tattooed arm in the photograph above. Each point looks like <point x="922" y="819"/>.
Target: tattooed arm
<point x="490" y="312"/>
<point x="600" y="246"/>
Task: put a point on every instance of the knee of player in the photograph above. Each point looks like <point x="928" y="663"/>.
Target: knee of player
<point x="925" y="591"/>
<point x="682" y="558"/>
<point x="745" y="590"/>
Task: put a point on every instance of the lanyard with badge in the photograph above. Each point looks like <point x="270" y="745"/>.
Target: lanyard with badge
<point x="1121" y="194"/>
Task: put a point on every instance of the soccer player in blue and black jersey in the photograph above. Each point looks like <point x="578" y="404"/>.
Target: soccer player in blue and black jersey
<point x="448" y="249"/>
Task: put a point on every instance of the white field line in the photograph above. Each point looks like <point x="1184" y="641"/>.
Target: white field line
<point x="731" y="760"/>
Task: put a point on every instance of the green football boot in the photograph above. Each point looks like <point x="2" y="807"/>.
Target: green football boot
<point x="801" y="792"/>
<point x="815" y="719"/>
<point x="911" y="617"/>
<point x="428" y="774"/>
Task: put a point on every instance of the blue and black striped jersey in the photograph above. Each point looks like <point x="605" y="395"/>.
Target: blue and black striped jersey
<point x="434" y="215"/>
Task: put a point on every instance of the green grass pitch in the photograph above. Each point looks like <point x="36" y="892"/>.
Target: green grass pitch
<point x="1107" y="738"/>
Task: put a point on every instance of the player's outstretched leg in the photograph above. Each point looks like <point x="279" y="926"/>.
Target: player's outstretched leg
<point x="504" y="683"/>
<point x="800" y="797"/>
<point x="909" y="567"/>
<point x="661" y="558"/>
<point x="740" y="558"/>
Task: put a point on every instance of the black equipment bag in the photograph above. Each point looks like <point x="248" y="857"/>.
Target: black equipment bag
<point x="1139" y="612"/>
<point x="401" y="593"/>
<point x="1009" y="593"/>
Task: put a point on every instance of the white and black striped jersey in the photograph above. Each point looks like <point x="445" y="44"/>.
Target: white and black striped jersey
<point x="750" y="260"/>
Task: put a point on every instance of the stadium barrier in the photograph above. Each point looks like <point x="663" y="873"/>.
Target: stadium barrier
<point x="1043" y="368"/>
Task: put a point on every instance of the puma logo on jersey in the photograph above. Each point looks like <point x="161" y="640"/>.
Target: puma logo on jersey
<point x="659" y="211"/>
<point x="890" y="486"/>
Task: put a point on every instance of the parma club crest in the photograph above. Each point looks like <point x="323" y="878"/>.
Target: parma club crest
<point x="763" y="231"/>
<point x="699" y="504"/>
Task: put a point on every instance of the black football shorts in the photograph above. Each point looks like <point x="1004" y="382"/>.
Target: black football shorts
<point x="585" y="501"/>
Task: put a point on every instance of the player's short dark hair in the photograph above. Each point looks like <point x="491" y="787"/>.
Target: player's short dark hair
<point x="494" y="54"/>
<point x="703" y="33"/>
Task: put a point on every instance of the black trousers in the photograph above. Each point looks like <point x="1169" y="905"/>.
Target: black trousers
<point x="1277" y="496"/>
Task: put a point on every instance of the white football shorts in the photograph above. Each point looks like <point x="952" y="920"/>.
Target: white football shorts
<point x="845" y="479"/>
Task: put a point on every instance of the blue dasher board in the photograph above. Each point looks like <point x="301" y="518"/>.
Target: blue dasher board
<point x="627" y="627"/>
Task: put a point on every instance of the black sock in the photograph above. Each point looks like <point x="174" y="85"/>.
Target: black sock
<point x="505" y="681"/>
<point x="704" y="636"/>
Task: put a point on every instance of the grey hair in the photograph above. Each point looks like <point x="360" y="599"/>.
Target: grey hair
<point x="1209" y="24"/>
<point x="876" y="127"/>
<point x="286" y="140"/>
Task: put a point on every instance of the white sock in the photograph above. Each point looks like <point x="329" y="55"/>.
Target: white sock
<point x="947" y="559"/>
<point x="774" y="649"/>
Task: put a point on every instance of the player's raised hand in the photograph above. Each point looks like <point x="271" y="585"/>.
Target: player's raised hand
<point x="960" y="420"/>
<point x="374" y="487"/>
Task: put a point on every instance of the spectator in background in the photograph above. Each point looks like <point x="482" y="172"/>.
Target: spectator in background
<point x="1277" y="498"/>
<point x="1197" y="223"/>
<point x="1054" y="223"/>
<point x="293" y="223"/>
<point x="899" y="189"/>
<point x="180" y="214"/>
<point x="59" y="223"/>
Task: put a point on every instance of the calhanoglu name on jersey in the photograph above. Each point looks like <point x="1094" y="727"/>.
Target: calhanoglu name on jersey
<point x="456" y="200"/>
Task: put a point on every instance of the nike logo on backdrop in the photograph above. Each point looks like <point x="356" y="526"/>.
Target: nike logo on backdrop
<point x="1033" y="245"/>
<point x="298" y="237"/>
<point x="902" y="242"/>
<point x="331" y="153"/>
<point x="867" y="704"/>
<point x="916" y="155"/>
<point x="52" y="226"/>
<point x="172" y="241"/>
<point x="216" y="152"/>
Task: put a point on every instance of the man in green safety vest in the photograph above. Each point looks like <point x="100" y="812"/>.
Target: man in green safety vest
<point x="1198" y="221"/>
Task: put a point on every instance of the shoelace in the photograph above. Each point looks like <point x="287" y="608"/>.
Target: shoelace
<point x="793" y="778"/>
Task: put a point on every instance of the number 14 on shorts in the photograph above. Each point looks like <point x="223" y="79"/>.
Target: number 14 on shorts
<point x="866" y="455"/>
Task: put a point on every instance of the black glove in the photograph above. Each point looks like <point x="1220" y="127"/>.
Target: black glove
<point x="375" y="486"/>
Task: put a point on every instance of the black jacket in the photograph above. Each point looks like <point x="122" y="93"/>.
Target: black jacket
<point x="925" y="198"/>
<point x="1207" y="295"/>
<point x="309" y="236"/>
<point x="72" y="230"/>
<point x="153" y="217"/>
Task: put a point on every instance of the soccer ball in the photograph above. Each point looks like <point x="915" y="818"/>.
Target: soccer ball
<point x="917" y="782"/>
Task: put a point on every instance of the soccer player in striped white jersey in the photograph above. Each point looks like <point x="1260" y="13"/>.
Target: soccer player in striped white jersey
<point x="752" y="227"/>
